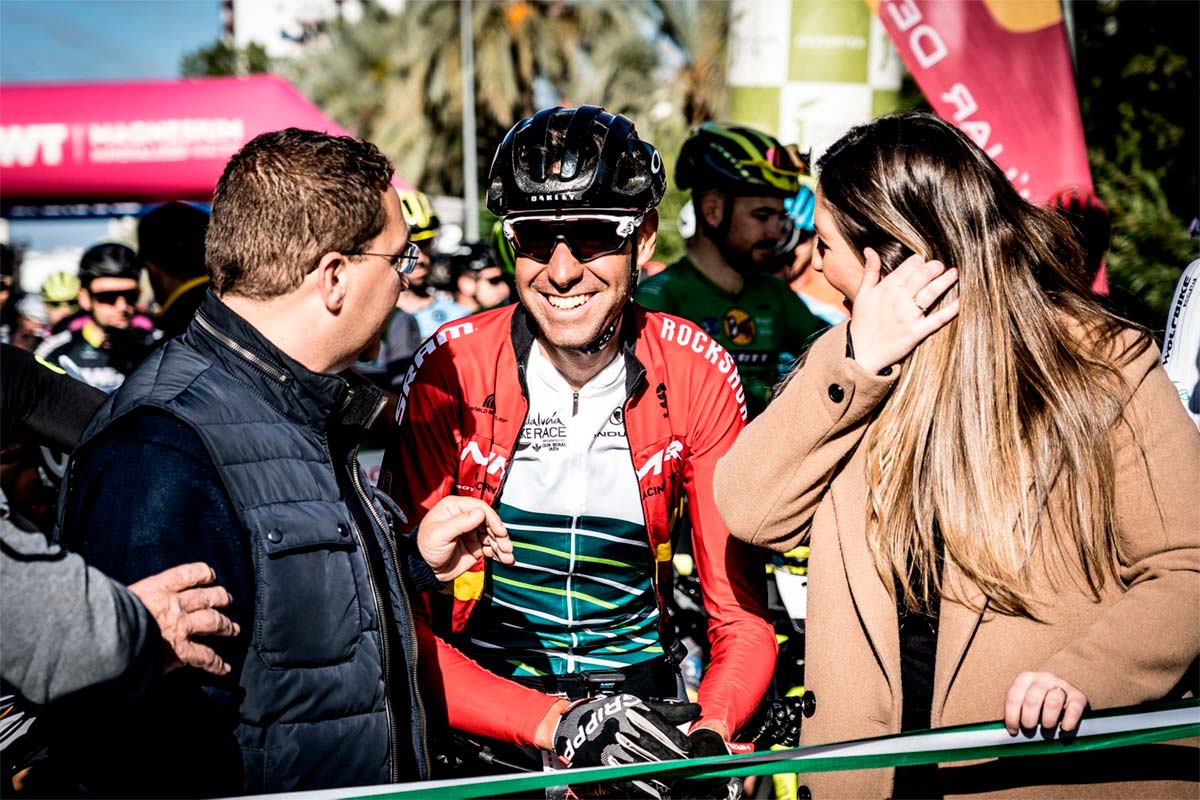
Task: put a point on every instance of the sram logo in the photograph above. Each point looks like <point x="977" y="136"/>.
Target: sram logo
<point x="431" y="344"/>
<point x="493" y="462"/>
<point x="654" y="464"/>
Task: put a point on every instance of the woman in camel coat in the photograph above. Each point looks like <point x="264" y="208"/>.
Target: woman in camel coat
<point x="998" y="483"/>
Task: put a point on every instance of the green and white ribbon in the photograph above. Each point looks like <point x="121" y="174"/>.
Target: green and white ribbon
<point x="1100" y="730"/>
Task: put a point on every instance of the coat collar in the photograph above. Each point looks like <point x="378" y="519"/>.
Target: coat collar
<point x="311" y="398"/>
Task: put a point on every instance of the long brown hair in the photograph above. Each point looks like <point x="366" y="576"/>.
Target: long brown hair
<point x="1012" y="399"/>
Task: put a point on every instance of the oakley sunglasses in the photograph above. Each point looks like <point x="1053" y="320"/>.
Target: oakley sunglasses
<point x="588" y="236"/>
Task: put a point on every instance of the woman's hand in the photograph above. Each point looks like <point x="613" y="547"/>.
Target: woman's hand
<point x="1042" y="697"/>
<point x="890" y="317"/>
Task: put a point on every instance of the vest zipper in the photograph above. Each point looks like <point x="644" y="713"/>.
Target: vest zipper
<point x="245" y="353"/>
<point x="412" y="661"/>
<point x="393" y="748"/>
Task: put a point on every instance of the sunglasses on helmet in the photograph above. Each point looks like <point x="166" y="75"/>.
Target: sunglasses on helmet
<point x="588" y="236"/>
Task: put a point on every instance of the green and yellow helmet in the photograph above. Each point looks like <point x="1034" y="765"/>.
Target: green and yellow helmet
<point x="422" y="220"/>
<point x="60" y="287"/>
<point x="739" y="161"/>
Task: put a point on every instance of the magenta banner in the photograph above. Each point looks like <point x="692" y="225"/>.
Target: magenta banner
<point x="1001" y="71"/>
<point x="141" y="141"/>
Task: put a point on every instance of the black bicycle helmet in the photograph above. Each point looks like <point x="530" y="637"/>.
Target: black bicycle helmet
<point x="569" y="158"/>
<point x="737" y="160"/>
<point x="471" y="257"/>
<point x="108" y="260"/>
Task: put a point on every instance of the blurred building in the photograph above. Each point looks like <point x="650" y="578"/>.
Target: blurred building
<point x="286" y="27"/>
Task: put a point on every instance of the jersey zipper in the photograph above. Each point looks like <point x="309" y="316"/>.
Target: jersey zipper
<point x="512" y="447"/>
<point x="412" y="661"/>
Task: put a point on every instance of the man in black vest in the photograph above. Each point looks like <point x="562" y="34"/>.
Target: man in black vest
<point x="235" y="444"/>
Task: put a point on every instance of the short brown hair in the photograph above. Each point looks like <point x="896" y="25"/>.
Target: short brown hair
<point x="287" y="198"/>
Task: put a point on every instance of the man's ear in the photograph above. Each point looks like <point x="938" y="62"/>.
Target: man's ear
<point x="331" y="275"/>
<point x="647" y="237"/>
<point x="712" y="207"/>
<point x="85" y="300"/>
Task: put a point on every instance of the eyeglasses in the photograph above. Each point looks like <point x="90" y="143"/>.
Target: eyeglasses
<point x="130" y="296"/>
<point x="588" y="236"/>
<point x="403" y="262"/>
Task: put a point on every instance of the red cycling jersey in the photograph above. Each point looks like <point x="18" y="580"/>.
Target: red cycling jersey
<point x="461" y="410"/>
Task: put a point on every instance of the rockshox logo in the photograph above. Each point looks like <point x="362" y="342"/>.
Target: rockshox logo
<point x="704" y="345"/>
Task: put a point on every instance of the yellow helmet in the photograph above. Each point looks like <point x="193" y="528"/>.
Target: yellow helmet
<point x="422" y="220"/>
<point x="60" y="287"/>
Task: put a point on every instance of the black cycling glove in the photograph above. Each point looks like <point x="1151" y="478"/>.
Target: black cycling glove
<point x="704" y="742"/>
<point x="777" y="722"/>
<point x="624" y="729"/>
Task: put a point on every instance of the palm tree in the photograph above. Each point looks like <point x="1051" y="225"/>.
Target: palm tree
<point x="395" y="78"/>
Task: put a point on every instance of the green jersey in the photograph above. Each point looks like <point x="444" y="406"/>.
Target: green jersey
<point x="761" y="326"/>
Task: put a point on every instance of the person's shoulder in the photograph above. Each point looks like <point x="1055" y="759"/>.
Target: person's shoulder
<point x="53" y="346"/>
<point x="472" y="335"/>
<point x="152" y="426"/>
<point x="681" y="353"/>
<point x="664" y="282"/>
<point x="680" y="341"/>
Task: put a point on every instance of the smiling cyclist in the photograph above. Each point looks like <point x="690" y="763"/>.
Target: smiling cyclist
<point x="585" y="420"/>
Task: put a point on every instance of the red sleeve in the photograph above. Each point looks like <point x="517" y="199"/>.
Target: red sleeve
<point x="419" y="468"/>
<point x="420" y="462"/>
<point x="732" y="573"/>
<point x="475" y="700"/>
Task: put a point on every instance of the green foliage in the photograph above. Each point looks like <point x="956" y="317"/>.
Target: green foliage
<point x="225" y="59"/>
<point x="1150" y="247"/>
<point x="395" y="79"/>
<point x="1136" y="65"/>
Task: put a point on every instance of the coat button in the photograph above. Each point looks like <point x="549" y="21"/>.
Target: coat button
<point x="836" y="393"/>
<point x="808" y="704"/>
<point x="274" y="536"/>
<point x="343" y="530"/>
<point x="802" y="793"/>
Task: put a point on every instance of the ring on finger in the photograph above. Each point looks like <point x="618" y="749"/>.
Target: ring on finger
<point x="917" y="303"/>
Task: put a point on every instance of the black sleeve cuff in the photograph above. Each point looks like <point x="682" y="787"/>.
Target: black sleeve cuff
<point x="420" y="574"/>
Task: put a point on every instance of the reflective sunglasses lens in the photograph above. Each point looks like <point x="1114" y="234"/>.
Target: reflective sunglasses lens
<point x="534" y="239"/>
<point x="592" y="238"/>
<point x="587" y="238"/>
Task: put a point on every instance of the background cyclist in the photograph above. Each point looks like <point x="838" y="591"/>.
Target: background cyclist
<point x="739" y="180"/>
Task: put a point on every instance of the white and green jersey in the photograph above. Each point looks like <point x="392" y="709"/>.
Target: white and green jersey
<point x="580" y="596"/>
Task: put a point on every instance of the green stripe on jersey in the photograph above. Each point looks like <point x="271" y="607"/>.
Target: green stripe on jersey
<point x="580" y="597"/>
